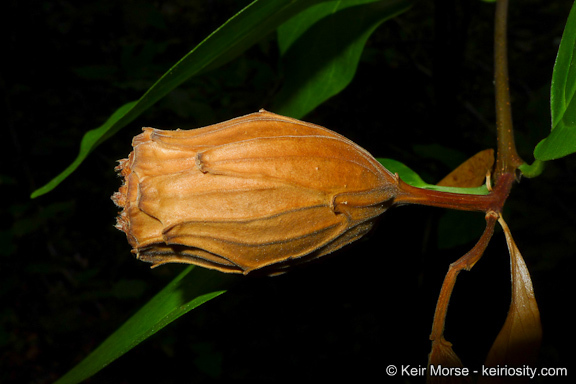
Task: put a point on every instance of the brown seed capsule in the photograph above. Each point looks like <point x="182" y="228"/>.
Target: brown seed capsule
<point x="259" y="192"/>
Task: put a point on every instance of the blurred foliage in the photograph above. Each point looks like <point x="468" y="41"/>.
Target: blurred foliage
<point x="423" y="89"/>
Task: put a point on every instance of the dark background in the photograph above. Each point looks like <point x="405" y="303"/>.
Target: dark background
<point x="423" y="95"/>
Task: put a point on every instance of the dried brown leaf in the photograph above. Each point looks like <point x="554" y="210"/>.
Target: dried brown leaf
<point x="472" y="172"/>
<point x="517" y="344"/>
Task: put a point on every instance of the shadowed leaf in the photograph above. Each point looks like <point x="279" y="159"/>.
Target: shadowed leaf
<point x="193" y="287"/>
<point x="321" y="49"/>
<point x="236" y="35"/>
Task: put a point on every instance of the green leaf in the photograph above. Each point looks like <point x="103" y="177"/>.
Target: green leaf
<point x="123" y="115"/>
<point x="193" y="287"/>
<point x="321" y="49"/>
<point x="562" y="139"/>
<point x="410" y="177"/>
<point x="236" y="35"/>
<point x="532" y="170"/>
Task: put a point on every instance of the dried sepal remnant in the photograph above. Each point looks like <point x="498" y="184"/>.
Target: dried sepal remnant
<point x="259" y="192"/>
<point x="471" y="173"/>
<point x="519" y="340"/>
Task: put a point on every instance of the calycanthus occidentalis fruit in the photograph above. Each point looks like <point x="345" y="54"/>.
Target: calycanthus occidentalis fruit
<point x="262" y="192"/>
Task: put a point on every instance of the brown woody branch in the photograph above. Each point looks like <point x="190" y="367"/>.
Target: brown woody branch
<point x="507" y="160"/>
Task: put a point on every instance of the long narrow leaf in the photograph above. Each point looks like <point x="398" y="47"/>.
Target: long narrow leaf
<point x="193" y="287"/>
<point x="322" y="47"/>
<point x="562" y="139"/>
<point x="236" y="35"/>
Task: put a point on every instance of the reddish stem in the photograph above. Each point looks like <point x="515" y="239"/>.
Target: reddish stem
<point x="465" y="262"/>
<point x="494" y="201"/>
<point x="507" y="162"/>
